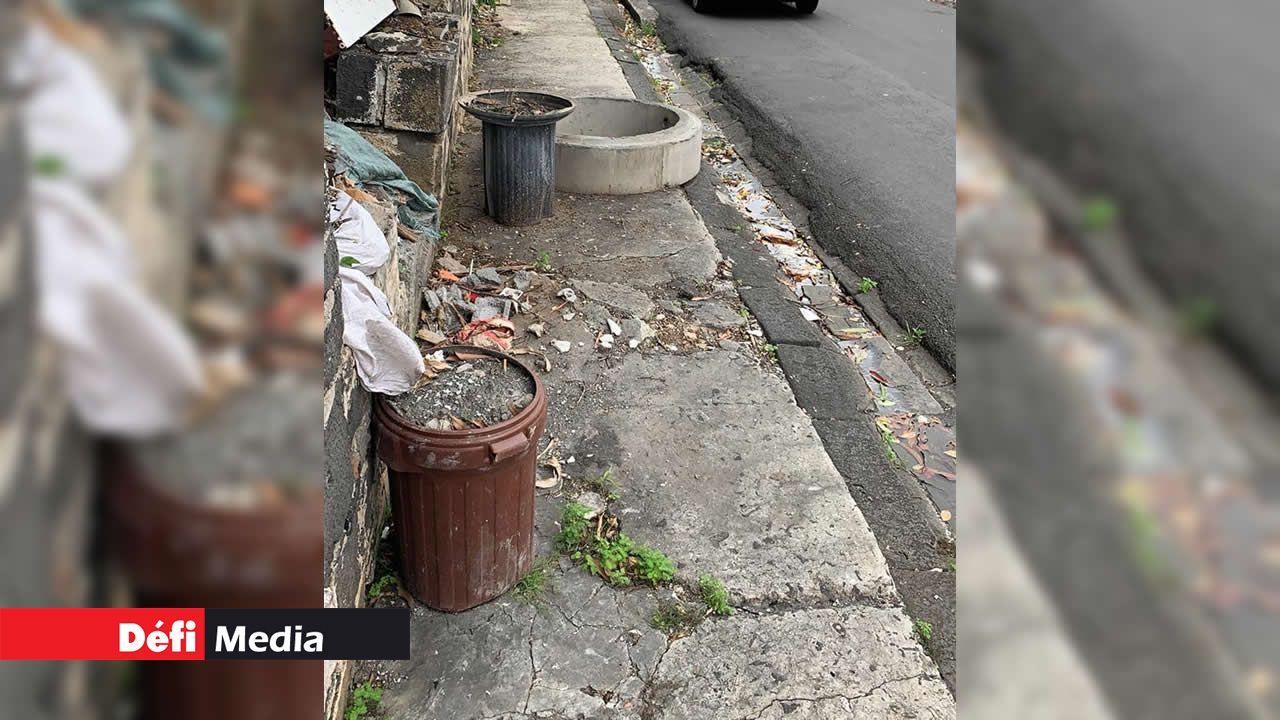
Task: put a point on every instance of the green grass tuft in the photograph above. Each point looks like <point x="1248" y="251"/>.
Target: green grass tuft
<point x="924" y="629"/>
<point x="715" y="596"/>
<point x="365" y="698"/>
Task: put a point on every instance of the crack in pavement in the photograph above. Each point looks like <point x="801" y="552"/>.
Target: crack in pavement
<point x="823" y="698"/>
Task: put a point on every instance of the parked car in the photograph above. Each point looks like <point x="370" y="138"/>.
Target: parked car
<point x="803" y="6"/>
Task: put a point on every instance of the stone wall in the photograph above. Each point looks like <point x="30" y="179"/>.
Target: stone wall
<point x="399" y="87"/>
<point x="355" y="482"/>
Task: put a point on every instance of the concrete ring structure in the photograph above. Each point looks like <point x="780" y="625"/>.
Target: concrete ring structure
<point x="621" y="146"/>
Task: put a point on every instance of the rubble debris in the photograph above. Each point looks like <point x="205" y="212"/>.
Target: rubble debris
<point x="563" y="346"/>
<point x="487" y="308"/>
<point x="568" y="295"/>
<point x="495" y="333"/>
<point x="605" y="341"/>
<point x="431" y="337"/>
<point x="538" y="329"/>
<point x="449" y="263"/>
<point x="475" y="394"/>
<point x="489" y="276"/>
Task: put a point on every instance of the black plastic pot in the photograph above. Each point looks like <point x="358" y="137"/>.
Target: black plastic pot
<point x="519" y="153"/>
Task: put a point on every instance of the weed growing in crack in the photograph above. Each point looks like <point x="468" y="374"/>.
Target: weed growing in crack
<point x="544" y="262"/>
<point x="924" y="629"/>
<point x="714" y="596"/>
<point x="914" y="336"/>
<point x="379" y="586"/>
<point x="675" y="619"/>
<point x="533" y="586"/>
<point x="771" y="350"/>
<point x="595" y="543"/>
<point x="652" y="566"/>
<point x="743" y="312"/>
<point x="649" y="28"/>
<point x="888" y="439"/>
<point x="365" y="698"/>
<point x="866" y="285"/>
<point x="573" y="523"/>
<point x="606" y="486"/>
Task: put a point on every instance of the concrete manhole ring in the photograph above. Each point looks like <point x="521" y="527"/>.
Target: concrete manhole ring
<point x="622" y="146"/>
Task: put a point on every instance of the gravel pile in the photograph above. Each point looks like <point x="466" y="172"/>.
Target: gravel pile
<point x="477" y="392"/>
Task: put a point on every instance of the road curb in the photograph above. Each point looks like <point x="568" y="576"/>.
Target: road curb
<point x="641" y="10"/>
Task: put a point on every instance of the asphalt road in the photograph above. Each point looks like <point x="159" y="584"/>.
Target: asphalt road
<point x="853" y="108"/>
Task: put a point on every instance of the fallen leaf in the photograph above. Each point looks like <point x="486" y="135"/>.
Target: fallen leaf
<point x="457" y="422"/>
<point x="852" y="333"/>
<point x="446" y="275"/>
<point x="547" y="483"/>
<point x="879" y="378"/>
<point x="431" y="336"/>
<point x="780" y="237"/>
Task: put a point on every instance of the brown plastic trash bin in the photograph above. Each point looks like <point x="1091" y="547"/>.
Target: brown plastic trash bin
<point x="462" y="500"/>
<point x="180" y="554"/>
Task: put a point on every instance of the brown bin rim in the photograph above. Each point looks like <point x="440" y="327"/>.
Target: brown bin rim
<point x="526" y="418"/>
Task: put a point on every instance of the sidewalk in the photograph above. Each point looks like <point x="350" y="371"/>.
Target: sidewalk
<point x="709" y="458"/>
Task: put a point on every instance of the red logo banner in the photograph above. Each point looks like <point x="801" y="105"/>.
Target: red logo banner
<point x="102" y="634"/>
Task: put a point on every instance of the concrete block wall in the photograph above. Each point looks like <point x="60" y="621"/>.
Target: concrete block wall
<point x="400" y="88"/>
<point x="355" y="482"/>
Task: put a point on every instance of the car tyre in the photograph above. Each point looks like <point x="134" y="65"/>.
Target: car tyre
<point x="806" y="7"/>
<point x="701" y="6"/>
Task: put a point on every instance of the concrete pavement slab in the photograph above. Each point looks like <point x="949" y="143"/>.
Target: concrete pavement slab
<point x="851" y="662"/>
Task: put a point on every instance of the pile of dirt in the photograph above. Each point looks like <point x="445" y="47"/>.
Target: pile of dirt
<point x="513" y="104"/>
<point x="471" y="394"/>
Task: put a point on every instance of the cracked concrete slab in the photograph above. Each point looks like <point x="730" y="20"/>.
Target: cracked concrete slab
<point x="721" y="469"/>
<point x="640" y="241"/>
<point x="580" y="650"/>
<point x="858" y="662"/>
<point x="617" y="297"/>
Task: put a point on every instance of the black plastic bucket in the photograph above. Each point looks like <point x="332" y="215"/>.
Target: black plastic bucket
<point x="519" y="152"/>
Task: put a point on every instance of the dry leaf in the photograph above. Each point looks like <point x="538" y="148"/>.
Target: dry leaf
<point x="548" y="483"/>
<point x="431" y="336"/>
<point x="852" y="333"/>
<point x="446" y="275"/>
<point x="457" y="422"/>
<point x="879" y="378"/>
